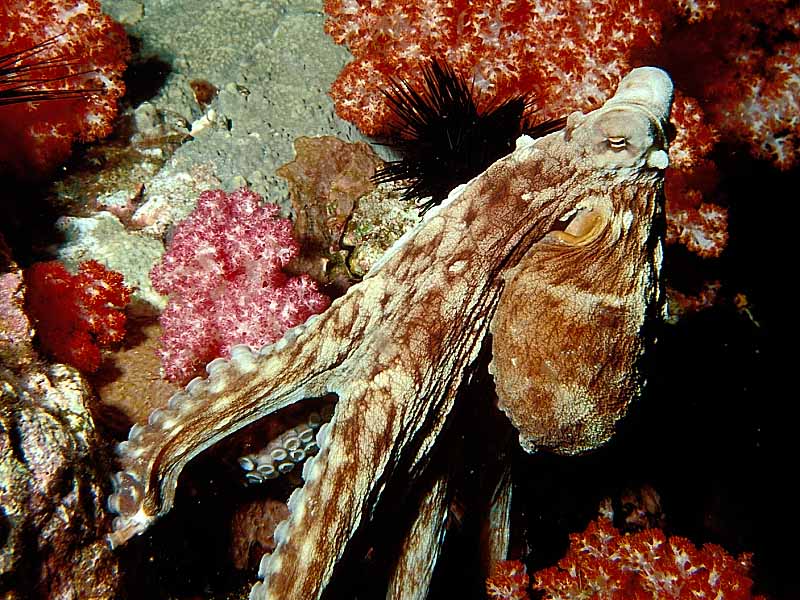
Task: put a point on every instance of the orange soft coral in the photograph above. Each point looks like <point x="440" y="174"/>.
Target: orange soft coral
<point x="508" y="581"/>
<point x="61" y="65"/>
<point x="603" y="564"/>
<point x="75" y="315"/>
<point x="571" y="54"/>
<point x="734" y="64"/>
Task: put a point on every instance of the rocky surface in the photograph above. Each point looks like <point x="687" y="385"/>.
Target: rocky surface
<point x="272" y="65"/>
<point x="218" y="92"/>
<point x="53" y="469"/>
<point x="52" y="489"/>
<point x="130" y="253"/>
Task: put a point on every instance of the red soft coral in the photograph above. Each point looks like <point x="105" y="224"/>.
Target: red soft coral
<point x="569" y="54"/>
<point x="735" y="65"/>
<point x="741" y="59"/>
<point x="604" y="565"/>
<point x="508" y="581"/>
<point x="56" y="46"/>
<point x="224" y="274"/>
<point x="75" y="315"/>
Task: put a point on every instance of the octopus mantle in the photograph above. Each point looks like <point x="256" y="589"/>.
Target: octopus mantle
<point x="554" y="249"/>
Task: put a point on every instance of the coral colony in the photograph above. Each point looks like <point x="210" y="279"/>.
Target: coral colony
<point x="68" y="53"/>
<point x="76" y="315"/>
<point x="224" y="275"/>
<point x="604" y="564"/>
<point x="734" y="63"/>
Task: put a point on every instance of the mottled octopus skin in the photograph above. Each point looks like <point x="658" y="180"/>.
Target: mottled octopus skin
<point x="567" y="335"/>
<point x="559" y="225"/>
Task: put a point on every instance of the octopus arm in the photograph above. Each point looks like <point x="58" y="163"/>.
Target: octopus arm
<point x="359" y="451"/>
<point x="395" y="396"/>
<point x="417" y="558"/>
<point x="237" y="392"/>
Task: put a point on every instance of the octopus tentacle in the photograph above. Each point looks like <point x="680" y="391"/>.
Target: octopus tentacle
<point x="236" y="393"/>
<point x="290" y="448"/>
<point x="358" y="451"/>
<point x="497" y="530"/>
<point x="388" y="314"/>
<point x="412" y="573"/>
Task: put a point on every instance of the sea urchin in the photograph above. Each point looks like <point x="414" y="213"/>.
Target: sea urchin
<point x="445" y="138"/>
<point x="25" y="77"/>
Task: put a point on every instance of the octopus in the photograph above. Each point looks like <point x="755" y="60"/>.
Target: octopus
<point x="548" y="262"/>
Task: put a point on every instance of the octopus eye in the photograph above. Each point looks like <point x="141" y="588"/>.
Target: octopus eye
<point x="617" y="143"/>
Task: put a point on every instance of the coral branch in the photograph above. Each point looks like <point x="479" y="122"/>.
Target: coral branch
<point x="508" y="581"/>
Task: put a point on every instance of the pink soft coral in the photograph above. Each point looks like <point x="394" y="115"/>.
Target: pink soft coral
<point x="224" y="274"/>
<point x="605" y="565"/>
<point x="63" y="46"/>
<point x="75" y="315"/>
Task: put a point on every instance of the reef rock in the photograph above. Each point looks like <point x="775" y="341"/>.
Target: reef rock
<point x="51" y="514"/>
